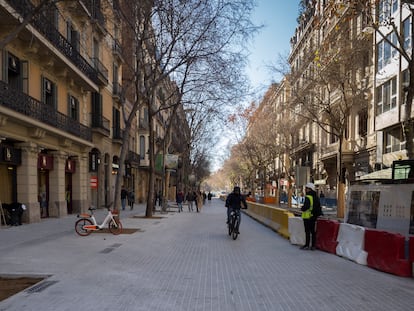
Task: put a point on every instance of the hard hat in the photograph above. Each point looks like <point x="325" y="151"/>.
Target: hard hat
<point x="310" y="186"/>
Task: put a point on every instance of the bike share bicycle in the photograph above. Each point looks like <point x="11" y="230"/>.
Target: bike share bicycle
<point x="87" y="223"/>
<point x="234" y="203"/>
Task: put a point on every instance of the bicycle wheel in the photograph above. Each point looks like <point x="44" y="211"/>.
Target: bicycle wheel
<point x="230" y="227"/>
<point x="236" y="227"/>
<point x="79" y="226"/>
<point x="115" y="227"/>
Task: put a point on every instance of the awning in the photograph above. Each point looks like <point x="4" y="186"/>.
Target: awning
<point x="382" y="174"/>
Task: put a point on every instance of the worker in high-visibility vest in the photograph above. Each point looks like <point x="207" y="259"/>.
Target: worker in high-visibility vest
<point x="311" y="209"/>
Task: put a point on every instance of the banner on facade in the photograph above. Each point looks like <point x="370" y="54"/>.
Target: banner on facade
<point x="171" y="161"/>
<point x="159" y="163"/>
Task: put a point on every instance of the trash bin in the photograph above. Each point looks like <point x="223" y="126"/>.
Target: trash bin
<point x="15" y="212"/>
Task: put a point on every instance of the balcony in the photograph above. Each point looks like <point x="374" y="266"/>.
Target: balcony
<point x="133" y="158"/>
<point x="117" y="135"/>
<point x="52" y="34"/>
<point x="98" y="19"/>
<point x="102" y="71"/>
<point x="117" y="49"/>
<point x="100" y="124"/>
<point x="301" y="146"/>
<point x="28" y="106"/>
<point x="117" y="91"/>
<point x="143" y="124"/>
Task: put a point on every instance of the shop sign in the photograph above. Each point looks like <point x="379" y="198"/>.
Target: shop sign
<point x="93" y="162"/>
<point x="70" y="166"/>
<point x="10" y="155"/>
<point x="45" y="161"/>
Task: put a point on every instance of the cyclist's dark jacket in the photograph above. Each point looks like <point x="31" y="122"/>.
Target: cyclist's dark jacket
<point x="235" y="201"/>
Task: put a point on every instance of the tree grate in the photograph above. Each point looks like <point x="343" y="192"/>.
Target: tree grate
<point x="107" y="250"/>
<point x="40" y="287"/>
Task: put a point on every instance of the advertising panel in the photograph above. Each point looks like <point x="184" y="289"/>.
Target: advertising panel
<point x="387" y="207"/>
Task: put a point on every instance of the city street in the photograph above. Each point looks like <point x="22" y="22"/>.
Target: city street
<point x="186" y="261"/>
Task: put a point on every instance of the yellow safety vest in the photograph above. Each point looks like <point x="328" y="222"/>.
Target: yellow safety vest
<point x="308" y="213"/>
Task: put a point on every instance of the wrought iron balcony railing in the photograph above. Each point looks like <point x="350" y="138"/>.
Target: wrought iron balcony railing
<point x="117" y="90"/>
<point x="102" y="71"/>
<point x="133" y="157"/>
<point x="47" y="29"/>
<point x="101" y="123"/>
<point x="117" y="48"/>
<point x="117" y="133"/>
<point x="24" y="104"/>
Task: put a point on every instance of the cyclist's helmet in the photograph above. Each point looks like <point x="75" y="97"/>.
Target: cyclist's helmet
<point x="236" y="189"/>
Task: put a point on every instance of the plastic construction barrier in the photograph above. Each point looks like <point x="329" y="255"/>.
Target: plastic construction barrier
<point x="326" y="235"/>
<point x="351" y="240"/>
<point x="273" y="217"/>
<point x="411" y="245"/>
<point x="386" y="252"/>
<point x="296" y="231"/>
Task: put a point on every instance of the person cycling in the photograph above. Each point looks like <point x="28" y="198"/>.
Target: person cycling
<point x="234" y="201"/>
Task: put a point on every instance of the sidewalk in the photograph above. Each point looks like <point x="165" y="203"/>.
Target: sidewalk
<point x="186" y="261"/>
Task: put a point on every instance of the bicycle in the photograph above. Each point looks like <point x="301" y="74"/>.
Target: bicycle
<point x="234" y="223"/>
<point x="87" y="223"/>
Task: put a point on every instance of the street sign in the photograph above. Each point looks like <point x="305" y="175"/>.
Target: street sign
<point x="94" y="182"/>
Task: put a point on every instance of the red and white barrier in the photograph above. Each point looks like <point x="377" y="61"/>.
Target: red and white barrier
<point x="351" y="241"/>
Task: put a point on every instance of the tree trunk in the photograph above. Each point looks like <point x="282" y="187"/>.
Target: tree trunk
<point x="340" y="190"/>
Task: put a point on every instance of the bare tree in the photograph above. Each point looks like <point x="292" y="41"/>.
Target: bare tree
<point x="196" y="44"/>
<point x="331" y="88"/>
<point x="38" y="8"/>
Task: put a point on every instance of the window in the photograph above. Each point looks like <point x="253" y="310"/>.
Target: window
<point x="386" y="8"/>
<point x="385" y="51"/>
<point x="49" y="93"/>
<point x="13" y="71"/>
<point x="387" y="96"/>
<point x="73" y="108"/>
<point x="394" y="140"/>
<point x="116" y="123"/>
<point x="142" y="147"/>
<point x="363" y="123"/>
<point x="73" y="36"/>
<point x="407" y="33"/>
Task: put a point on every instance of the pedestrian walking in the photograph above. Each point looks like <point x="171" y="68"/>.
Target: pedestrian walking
<point x="311" y="210"/>
<point x="180" y="199"/>
<point x="196" y="198"/>
<point x="131" y="199"/>
<point x="124" y="195"/>
<point x="190" y="200"/>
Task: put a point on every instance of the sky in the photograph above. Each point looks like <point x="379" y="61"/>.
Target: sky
<point x="278" y="18"/>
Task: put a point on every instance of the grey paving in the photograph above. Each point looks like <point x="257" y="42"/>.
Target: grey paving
<point x="186" y="261"/>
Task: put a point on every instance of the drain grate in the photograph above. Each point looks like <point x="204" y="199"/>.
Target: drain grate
<point x="116" y="245"/>
<point x="40" y="287"/>
<point x="106" y="250"/>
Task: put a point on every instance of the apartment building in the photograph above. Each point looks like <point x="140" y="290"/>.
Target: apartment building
<point x="60" y="128"/>
<point x="391" y="81"/>
<point x="332" y="78"/>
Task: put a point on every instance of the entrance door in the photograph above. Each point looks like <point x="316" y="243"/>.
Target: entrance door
<point x="43" y="194"/>
<point x="68" y="193"/>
